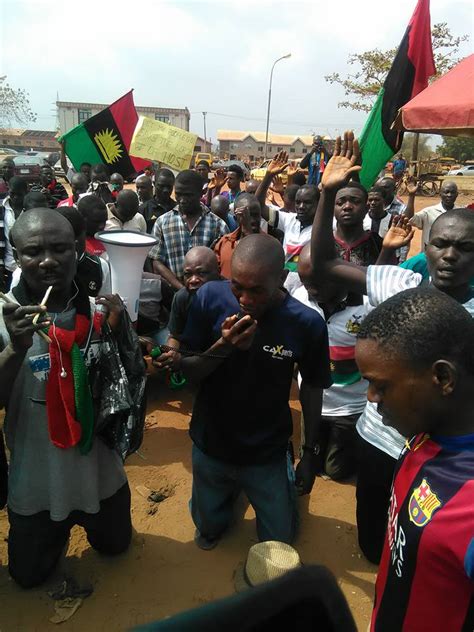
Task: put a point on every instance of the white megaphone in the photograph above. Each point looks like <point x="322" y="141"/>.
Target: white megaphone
<point x="127" y="250"/>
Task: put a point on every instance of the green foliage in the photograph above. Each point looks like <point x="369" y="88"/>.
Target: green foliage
<point x="460" y="148"/>
<point x="14" y="105"/>
<point x="372" y="67"/>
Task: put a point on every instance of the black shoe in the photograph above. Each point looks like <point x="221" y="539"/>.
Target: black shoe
<point x="206" y="544"/>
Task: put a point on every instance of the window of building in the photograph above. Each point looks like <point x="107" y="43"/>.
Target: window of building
<point x="41" y="144"/>
<point x="292" y="150"/>
<point x="304" y="150"/>
<point x="162" y="118"/>
<point x="260" y="149"/>
<point x="269" y="148"/>
<point x="17" y="142"/>
<point x="280" y="149"/>
<point x="83" y="115"/>
<point x="197" y="148"/>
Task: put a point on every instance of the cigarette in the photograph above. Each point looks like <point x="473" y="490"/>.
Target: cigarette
<point x="43" y="303"/>
<point x="45" y="337"/>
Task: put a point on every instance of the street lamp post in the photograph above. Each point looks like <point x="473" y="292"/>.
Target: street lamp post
<point x="270" y="99"/>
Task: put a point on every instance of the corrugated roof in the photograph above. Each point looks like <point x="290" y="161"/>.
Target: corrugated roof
<point x="11" y="131"/>
<point x="259" y="137"/>
<point x="38" y="133"/>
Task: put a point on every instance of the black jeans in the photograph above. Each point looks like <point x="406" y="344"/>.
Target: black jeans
<point x="35" y="543"/>
<point x="338" y="439"/>
<point x="374" y="483"/>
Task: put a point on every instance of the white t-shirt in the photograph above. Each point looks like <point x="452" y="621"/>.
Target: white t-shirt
<point x="348" y="394"/>
<point x="382" y="283"/>
<point x="424" y="220"/>
<point x="137" y="223"/>
<point x="294" y="238"/>
<point x="9" y="220"/>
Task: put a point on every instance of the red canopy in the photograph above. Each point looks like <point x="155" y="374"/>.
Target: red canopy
<point x="445" y="107"/>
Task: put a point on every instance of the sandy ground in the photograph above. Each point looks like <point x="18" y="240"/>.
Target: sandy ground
<point x="164" y="572"/>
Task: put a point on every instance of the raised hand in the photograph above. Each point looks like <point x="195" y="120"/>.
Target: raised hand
<point x="242" y="215"/>
<point x="399" y="234"/>
<point x="218" y="180"/>
<point x="343" y="162"/>
<point x="277" y="185"/>
<point x="278" y="164"/>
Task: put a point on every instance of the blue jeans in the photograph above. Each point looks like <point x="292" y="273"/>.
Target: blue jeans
<point x="270" y="489"/>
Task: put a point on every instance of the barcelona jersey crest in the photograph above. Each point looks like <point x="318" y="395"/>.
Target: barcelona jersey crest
<point x="423" y="504"/>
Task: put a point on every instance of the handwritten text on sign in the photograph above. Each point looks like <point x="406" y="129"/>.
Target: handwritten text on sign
<point x="159" y="141"/>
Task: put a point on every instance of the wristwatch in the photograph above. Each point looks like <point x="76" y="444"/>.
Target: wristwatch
<point x="315" y="450"/>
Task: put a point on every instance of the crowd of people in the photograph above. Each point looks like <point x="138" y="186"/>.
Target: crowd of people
<point x="260" y="283"/>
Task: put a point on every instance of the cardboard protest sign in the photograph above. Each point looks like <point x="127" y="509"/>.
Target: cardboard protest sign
<point x="162" y="142"/>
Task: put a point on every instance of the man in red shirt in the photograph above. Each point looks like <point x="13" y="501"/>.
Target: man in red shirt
<point x="79" y="185"/>
<point x="416" y="349"/>
<point x="248" y="215"/>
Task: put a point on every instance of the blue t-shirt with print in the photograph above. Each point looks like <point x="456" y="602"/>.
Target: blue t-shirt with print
<point x="241" y="413"/>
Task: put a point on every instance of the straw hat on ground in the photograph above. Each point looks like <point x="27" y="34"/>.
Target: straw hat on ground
<point x="265" y="561"/>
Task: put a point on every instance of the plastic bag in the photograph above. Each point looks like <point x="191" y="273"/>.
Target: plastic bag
<point x="118" y="388"/>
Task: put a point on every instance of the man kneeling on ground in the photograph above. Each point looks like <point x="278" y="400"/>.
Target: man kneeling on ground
<point x="60" y="473"/>
<point x="251" y="333"/>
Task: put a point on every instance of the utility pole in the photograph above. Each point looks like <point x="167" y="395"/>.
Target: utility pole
<point x="205" y="134"/>
<point x="270" y="100"/>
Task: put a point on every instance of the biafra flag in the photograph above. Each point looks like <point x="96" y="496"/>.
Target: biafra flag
<point x="106" y="138"/>
<point x="411" y="68"/>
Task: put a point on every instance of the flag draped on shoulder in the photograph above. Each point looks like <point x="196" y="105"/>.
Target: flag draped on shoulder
<point x="408" y="75"/>
<point x="106" y="137"/>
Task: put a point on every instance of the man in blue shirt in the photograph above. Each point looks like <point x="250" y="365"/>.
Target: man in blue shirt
<point x="249" y="334"/>
<point x="399" y="167"/>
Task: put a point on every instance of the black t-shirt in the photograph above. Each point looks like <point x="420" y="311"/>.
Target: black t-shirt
<point x="241" y="413"/>
<point x="152" y="210"/>
<point x="179" y="311"/>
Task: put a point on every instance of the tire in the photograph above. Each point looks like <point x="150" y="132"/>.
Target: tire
<point x="429" y="188"/>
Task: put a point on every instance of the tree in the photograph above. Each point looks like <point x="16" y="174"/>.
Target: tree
<point x="424" y="149"/>
<point x="363" y="86"/>
<point x="460" y="148"/>
<point x="14" y="105"/>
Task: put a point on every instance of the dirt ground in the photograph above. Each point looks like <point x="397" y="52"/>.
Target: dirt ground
<point x="164" y="572"/>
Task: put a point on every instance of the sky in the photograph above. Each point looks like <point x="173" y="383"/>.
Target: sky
<point x="207" y="56"/>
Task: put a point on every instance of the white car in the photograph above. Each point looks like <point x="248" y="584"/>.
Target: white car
<point x="468" y="170"/>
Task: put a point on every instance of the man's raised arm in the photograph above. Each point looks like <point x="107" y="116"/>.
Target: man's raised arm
<point x="325" y="261"/>
<point x="275" y="168"/>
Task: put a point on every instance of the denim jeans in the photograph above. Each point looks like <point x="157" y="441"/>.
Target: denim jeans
<point x="270" y="489"/>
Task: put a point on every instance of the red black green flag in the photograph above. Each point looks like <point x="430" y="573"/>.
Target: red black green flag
<point x="411" y="68"/>
<point x="106" y="138"/>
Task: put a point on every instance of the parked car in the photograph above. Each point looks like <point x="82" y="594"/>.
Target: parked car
<point x="468" y="170"/>
<point x="258" y="173"/>
<point x="225" y="164"/>
<point x="28" y="167"/>
<point x="203" y="156"/>
<point x="6" y="151"/>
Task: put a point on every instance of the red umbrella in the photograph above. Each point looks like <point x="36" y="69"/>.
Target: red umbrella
<point x="445" y="107"/>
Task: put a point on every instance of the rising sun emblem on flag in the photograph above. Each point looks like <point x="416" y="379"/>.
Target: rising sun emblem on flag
<point x="109" y="145"/>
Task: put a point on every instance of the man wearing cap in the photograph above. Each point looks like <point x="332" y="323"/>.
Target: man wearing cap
<point x="249" y="334"/>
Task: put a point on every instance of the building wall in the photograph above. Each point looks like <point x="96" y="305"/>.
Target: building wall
<point x="75" y="113"/>
<point x="26" y="142"/>
<point x="250" y="149"/>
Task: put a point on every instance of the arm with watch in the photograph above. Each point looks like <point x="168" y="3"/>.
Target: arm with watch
<point x="311" y="398"/>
